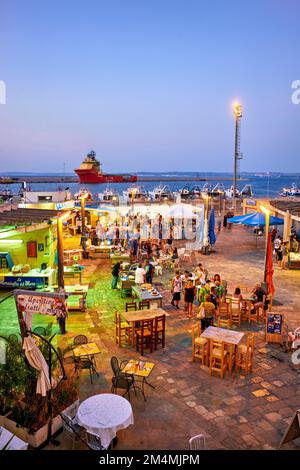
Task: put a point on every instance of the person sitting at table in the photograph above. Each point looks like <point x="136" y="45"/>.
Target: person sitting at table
<point x="207" y="309"/>
<point x="237" y="294"/>
<point x="140" y="275"/>
<point x="189" y="295"/>
<point x="220" y="290"/>
<point x="175" y="253"/>
<point x="258" y="294"/>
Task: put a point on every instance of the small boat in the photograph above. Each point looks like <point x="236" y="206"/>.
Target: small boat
<point x="206" y="190"/>
<point x="218" y="190"/>
<point x="109" y="195"/>
<point x="161" y="193"/>
<point x="245" y="192"/>
<point x="6" y="194"/>
<point x="82" y="192"/>
<point x="294" y="191"/>
<point x="136" y="194"/>
<point x="188" y="192"/>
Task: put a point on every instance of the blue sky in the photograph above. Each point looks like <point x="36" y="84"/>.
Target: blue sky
<point x="149" y="84"/>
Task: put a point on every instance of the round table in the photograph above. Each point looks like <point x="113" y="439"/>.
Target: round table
<point x="104" y="415"/>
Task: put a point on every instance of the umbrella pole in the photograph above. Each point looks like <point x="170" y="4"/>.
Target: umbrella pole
<point x="50" y="438"/>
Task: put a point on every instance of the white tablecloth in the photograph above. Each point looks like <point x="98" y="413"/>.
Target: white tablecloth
<point x="15" y="443"/>
<point x="104" y="415"/>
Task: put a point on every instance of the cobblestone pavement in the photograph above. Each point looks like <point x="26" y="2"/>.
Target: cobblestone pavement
<point x="238" y="412"/>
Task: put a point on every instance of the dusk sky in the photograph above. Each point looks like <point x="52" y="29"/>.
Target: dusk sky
<point x="149" y="84"/>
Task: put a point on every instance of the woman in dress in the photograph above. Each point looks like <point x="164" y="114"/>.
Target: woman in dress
<point x="189" y="295"/>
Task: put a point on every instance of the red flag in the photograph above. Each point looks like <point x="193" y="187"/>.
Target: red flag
<point x="269" y="267"/>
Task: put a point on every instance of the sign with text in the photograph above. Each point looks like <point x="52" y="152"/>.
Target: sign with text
<point x="22" y="281"/>
<point x="274" y="327"/>
<point x="41" y="302"/>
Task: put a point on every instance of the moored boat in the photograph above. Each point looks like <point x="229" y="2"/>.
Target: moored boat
<point x="293" y="191"/>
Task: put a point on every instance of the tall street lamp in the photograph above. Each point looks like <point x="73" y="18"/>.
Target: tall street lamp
<point x="237" y="111"/>
<point x="60" y="248"/>
<point x="267" y="214"/>
<point x="82" y="205"/>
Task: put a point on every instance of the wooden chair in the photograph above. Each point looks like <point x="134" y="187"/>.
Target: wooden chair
<point x="129" y="306"/>
<point x="159" y="331"/>
<point x="235" y="312"/>
<point x="244" y="355"/>
<point x="144" y="336"/>
<point x="245" y="289"/>
<point x="218" y="357"/>
<point x="126" y="289"/>
<point x="144" y="305"/>
<point x="224" y="322"/>
<point x="123" y="330"/>
<point x="199" y="345"/>
<point x="224" y="309"/>
<point x="246" y="310"/>
<point x="262" y="311"/>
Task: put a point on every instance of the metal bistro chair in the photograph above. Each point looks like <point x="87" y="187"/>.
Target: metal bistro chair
<point x="80" y="339"/>
<point x="72" y="429"/>
<point x="121" y="379"/>
<point x="197" y="442"/>
<point x="93" y="442"/>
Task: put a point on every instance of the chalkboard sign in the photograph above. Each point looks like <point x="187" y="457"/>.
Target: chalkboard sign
<point x="274" y="327"/>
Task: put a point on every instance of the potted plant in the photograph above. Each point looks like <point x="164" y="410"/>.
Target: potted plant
<point x="25" y="413"/>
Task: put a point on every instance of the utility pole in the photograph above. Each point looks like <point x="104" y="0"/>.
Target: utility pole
<point x="237" y="110"/>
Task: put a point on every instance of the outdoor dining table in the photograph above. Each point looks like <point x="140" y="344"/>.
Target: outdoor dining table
<point x="144" y="294"/>
<point x="103" y="415"/>
<point x="88" y="349"/>
<point x="12" y="444"/>
<point x="140" y="315"/>
<point x="70" y="272"/>
<point x="140" y="369"/>
<point x="81" y="292"/>
<point x="230" y="337"/>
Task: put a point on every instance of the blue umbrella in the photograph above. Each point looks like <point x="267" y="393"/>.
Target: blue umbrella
<point x="255" y="219"/>
<point x="211" y="230"/>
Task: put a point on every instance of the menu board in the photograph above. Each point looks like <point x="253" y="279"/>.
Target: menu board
<point x="274" y="327"/>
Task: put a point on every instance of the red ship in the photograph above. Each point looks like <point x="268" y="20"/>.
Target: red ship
<point x="90" y="172"/>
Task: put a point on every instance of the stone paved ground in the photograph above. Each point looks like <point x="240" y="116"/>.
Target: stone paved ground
<point x="239" y="412"/>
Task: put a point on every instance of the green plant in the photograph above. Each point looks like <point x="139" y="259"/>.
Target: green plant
<point x="18" y="389"/>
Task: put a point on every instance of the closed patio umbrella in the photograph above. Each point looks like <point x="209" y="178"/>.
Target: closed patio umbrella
<point x="269" y="266"/>
<point x="37" y="360"/>
<point x="211" y="229"/>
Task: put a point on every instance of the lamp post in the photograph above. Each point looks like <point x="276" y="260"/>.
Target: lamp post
<point x="60" y="249"/>
<point x="237" y="111"/>
<point x="82" y="205"/>
<point x="267" y="214"/>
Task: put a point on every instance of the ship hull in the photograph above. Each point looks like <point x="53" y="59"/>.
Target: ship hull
<point x="91" y="177"/>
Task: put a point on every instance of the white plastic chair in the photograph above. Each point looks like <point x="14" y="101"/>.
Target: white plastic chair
<point x="197" y="442"/>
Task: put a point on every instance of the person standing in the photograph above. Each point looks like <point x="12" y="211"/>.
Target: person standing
<point x="140" y="275"/>
<point x="285" y="255"/>
<point x="149" y="272"/>
<point x="115" y="275"/>
<point x="176" y="289"/>
<point x="189" y="295"/>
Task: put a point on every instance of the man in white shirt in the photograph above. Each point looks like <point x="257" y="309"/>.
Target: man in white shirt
<point x="140" y="274"/>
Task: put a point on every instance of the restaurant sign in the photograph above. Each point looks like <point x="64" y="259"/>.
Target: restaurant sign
<point x="44" y="303"/>
<point x="22" y="281"/>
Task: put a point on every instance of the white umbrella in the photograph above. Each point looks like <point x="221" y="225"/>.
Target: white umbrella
<point x="180" y="211"/>
<point x="37" y="360"/>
